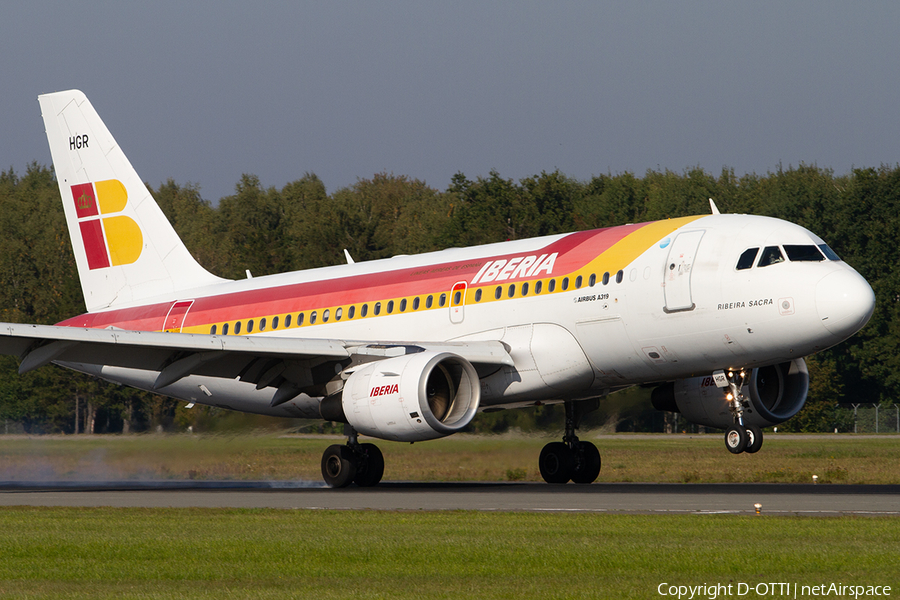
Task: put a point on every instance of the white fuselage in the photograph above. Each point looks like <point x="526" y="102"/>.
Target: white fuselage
<point x="680" y="308"/>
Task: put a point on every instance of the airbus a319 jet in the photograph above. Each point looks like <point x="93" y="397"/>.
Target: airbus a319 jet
<point x="717" y="311"/>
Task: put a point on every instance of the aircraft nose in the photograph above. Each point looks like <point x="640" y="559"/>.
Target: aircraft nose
<point x="845" y="302"/>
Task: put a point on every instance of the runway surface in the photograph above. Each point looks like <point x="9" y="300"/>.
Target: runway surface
<point x="641" y="498"/>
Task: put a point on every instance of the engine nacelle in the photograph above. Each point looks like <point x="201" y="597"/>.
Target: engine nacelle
<point x="408" y="398"/>
<point x="776" y="393"/>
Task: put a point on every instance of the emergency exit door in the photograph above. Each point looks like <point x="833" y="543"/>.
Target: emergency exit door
<point x="175" y="318"/>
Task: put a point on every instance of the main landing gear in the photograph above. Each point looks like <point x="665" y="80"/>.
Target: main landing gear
<point x="362" y="464"/>
<point x="570" y="459"/>
<point x="739" y="437"/>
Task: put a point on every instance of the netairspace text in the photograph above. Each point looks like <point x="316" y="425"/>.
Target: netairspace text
<point x="712" y="591"/>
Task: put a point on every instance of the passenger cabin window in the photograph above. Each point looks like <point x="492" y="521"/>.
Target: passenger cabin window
<point x="747" y="259"/>
<point x="274" y="322"/>
<point x="803" y="253"/>
<point x="212" y="330"/>
<point x="287" y="321"/>
<point x="537" y="287"/>
<point x="478" y="295"/>
<point x="442" y="300"/>
<point x="620" y="276"/>
<point x="606" y="278"/>
<point x="770" y="255"/>
<point x="365" y="310"/>
<point x="428" y="302"/>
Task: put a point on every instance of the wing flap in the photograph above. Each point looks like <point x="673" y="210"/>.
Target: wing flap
<point x="292" y="363"/>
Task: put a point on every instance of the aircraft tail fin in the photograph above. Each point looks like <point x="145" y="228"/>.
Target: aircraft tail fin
<point x="125" y="248"/>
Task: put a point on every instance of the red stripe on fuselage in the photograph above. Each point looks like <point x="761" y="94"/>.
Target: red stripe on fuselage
<point x="574" y="251"/>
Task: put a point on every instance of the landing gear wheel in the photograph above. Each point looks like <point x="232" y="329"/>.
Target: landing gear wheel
<point x="587" y="459"/>
<point x="371" y="466"/>
<point x="736" y="439"/>
<point x="557" y="463"/>
<point x="338" y="466"/>
<point x="754" y="439"/>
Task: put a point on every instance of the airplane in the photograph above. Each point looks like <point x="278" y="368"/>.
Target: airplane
<point x="715" y="311"/>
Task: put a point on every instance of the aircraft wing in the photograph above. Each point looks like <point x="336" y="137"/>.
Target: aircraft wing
<point x="305" y="363"/>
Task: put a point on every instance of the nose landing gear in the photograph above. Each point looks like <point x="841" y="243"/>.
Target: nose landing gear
<point x="740" y="437"/>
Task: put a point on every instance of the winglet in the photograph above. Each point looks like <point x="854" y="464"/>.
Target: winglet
<point x="713" y="207"/>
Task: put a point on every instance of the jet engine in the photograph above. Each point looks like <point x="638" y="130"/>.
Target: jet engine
<point x="774" y="394"/>
<point x="408" y="398"/>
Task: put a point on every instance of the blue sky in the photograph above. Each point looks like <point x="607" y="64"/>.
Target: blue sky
<point x="202" y="92"/>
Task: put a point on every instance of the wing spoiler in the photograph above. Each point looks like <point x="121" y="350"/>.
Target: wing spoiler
<point x="176" y="355"/>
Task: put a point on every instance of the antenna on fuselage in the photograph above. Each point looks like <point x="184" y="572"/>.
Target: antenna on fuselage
<point x="713" y="207"/>
<point x="349" y="258"/>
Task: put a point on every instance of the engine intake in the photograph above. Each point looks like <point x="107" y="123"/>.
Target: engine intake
<point x="408" y="398"/>
<point x="776" y="393"/>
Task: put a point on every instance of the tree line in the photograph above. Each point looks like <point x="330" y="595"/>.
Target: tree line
<point x="268" y="230"/>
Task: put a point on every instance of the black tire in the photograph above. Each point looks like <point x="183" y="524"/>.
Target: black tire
<point x="338" y="466"/>
<point x="371" y="466"/>
<point x="587" y="467"/>
<point x="557" y="463"/>
<point x="735" y="439"/>
<point x="754" y="439"/>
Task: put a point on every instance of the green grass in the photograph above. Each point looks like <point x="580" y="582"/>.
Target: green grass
<point x="211" y="553"/>
<point x="841" y="458"/>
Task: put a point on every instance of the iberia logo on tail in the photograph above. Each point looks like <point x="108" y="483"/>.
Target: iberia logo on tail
<point x="108" y="240"/>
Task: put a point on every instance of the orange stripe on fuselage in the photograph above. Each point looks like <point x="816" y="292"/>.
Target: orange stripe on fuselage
<point x="585" y="252"/>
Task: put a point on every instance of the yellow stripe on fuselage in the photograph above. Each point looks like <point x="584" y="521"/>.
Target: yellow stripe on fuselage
<point x="616" y="258"/>
<point x="626" y="250"/>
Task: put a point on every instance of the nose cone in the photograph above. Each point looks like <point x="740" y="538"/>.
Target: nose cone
<point x="845" y="302"/>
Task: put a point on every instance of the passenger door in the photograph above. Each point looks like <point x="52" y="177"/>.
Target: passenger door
<point x="679" y="264"/>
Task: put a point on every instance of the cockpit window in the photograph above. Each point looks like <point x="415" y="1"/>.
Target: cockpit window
<point x="828" y="252"/>
<point x="803" y="253"/>
<point x="770" y="256"/>
<point x="747" y="258"/>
